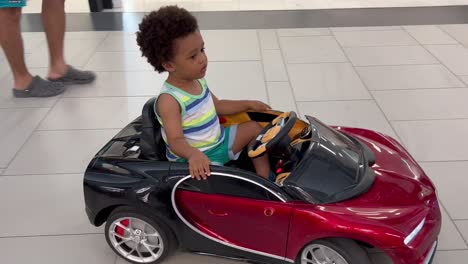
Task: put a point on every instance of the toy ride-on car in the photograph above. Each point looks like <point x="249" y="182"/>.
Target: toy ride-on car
<point x="336" y="192"/>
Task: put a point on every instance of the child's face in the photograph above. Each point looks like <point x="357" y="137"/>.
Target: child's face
<point x="190" y="61"/>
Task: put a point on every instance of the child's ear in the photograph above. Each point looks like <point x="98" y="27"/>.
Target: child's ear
<point x="168" y="66"/>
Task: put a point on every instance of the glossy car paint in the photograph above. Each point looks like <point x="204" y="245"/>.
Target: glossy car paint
<point x="401" y="196"/>
<point x="239" y="221"/>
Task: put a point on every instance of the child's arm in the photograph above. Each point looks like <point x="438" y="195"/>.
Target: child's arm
<point x="169" y="111"/>
<point x="229" y="107"/>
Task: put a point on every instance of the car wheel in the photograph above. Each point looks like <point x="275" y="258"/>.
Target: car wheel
<point x="337" y="251"/>
<point x="138" y="238"/>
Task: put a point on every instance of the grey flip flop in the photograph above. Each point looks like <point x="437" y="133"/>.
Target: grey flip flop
<point x="40" y="88"/>
<point x="75" y="76"/>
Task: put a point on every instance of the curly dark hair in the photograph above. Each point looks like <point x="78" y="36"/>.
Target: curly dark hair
<point x="159" y="29"/>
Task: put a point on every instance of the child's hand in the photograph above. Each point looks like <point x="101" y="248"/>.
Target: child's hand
<point x="258" y="106"/>
<point x="199" y="165"/>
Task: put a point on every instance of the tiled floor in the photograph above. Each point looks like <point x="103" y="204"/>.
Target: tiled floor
<point x="409" y="82"/>
<point x="75" y="6"/>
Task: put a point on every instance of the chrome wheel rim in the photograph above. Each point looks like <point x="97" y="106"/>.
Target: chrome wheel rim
<point x="320" y="254"/>
<point x="135" y="240"/>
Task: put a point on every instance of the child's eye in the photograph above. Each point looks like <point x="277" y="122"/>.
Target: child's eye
<point x="193" y="57"/>
<point x="203" y="50"/>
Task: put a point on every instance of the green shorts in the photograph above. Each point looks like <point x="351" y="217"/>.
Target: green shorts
<point x="222" y="153"/>
<point x="12" y="3"/>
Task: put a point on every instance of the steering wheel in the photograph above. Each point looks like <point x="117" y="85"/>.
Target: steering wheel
<point x="272" y="134"/>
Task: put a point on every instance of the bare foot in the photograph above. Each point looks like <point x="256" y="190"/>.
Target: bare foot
<point x="21" y="83"/>
<point x="57" y="71"/>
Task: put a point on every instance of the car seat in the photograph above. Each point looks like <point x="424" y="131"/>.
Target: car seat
<point x="151" y="141"/>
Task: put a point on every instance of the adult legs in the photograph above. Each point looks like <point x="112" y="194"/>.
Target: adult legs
<point x="12" y="44"/>
<point x="53" y="20"/>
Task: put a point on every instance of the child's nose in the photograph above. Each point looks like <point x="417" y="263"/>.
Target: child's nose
<point x="203" y="59"/>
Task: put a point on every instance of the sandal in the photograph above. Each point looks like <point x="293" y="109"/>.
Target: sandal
<point x="75" y="76"/>
<point x="40" y="88"/>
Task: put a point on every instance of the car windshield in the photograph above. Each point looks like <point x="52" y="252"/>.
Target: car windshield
<point x="331" y="165"/>
<point x="345" y="152"/>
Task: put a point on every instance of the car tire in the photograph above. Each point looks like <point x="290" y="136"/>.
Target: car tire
<point x="143" y="233"/>
<point x="342" y="250"/>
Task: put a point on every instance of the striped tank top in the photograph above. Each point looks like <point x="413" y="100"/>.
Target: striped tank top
<point x="200" y="122"/>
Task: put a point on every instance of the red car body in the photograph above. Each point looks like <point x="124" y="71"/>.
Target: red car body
<point x="400" y="197"/>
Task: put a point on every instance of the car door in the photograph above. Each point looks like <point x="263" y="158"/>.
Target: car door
<point x="247" y="215"/>
<point x="236" y="212"/>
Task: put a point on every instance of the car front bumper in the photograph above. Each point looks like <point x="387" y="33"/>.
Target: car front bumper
<point x="405" y="255"/>
<point x="430" y="254"/>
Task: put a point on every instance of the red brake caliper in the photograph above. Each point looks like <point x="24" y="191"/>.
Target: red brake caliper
<point x="120" y="230"/>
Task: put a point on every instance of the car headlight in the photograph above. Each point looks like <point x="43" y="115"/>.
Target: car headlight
<point x="415" y="232"/>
